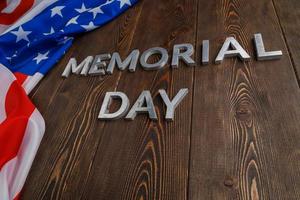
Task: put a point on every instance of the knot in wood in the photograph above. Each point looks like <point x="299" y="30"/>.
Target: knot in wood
<point x="229" y="181"/>
<point x="243" y="113"/>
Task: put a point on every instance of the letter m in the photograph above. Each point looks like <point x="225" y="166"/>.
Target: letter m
<point x="82" y="68"/>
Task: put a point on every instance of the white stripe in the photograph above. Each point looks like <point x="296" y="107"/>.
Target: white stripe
<point x="6" y="79"/>
<point x="31" y="82"/>
<point x="5" y="174"/>
<point x="40" y="6"/>
<point x="11" y="6"/>
<point x="13" y="174"/>
<point x="4" y="27"/>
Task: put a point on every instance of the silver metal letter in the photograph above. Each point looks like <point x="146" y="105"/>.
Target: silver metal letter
<point x="76" y="69"/>
<point x="205" y="52"/>
<point x="160" y="64"/>
<point x="104" y="112"/>
<point x="225" y="51"/>
<point x="138" y="107"/>
<point x="185" y="56"/>
<point x="131" y="60"/>
<point x="97" y="68"/>
<point x="261" y="52"/>
<point x="171" y="105"/>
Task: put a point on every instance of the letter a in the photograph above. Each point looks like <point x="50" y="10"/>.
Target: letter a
<point x="138" y="107"/>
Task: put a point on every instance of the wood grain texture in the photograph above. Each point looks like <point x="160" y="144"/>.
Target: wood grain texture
<point x="288" y="13"/>
<point x="71" y="111"/>
<point x="144" y="159"/>
<point x="241" y="144"/>
<point x="236" y="135"/>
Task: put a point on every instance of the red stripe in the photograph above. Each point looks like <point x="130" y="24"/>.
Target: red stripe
<point x="20" y="77"/>
<point x="18" y="196"/>
<point x="21" y="9"/>
<point x="18" y="109"/>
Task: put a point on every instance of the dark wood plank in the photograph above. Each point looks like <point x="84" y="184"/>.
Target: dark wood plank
<point x="288" y="13"/>
<point x="142" y="159"/>
<point x="70" y="108"/>
<point x="245" y="137"/>
<point x="235" y="136"/>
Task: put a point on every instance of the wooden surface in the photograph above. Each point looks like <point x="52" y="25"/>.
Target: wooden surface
<point x="235" y="136"/>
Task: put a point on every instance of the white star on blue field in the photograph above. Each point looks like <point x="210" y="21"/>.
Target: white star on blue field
<point x="38" y="44"/>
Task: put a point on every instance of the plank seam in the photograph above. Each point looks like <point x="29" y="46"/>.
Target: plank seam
<point x="286" y="44"/>
<point x="192" y="112"/>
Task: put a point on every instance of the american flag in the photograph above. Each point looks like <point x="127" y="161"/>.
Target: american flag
<point x="34" y="35"/>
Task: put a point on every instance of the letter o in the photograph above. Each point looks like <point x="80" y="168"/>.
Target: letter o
<point x="160" y="64"/>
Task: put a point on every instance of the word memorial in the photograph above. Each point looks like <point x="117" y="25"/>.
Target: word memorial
<point x="106" y="63"/>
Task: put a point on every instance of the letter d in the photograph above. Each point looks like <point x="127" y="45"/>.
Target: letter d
<point x="104" y="111"/>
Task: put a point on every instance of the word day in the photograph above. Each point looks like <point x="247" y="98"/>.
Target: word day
<point x="143" y="105"/>
<point x="106" y="63"/>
